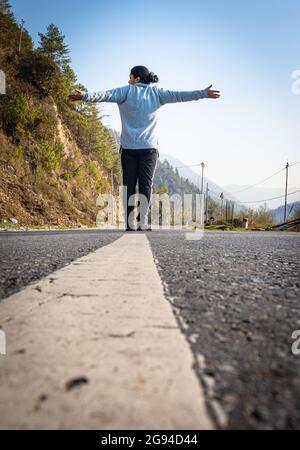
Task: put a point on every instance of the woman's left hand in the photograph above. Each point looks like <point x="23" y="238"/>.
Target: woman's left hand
<point x="212" y="93"/>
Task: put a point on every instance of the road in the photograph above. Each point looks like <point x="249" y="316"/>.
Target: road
<point x="238" y="293"/>
<point x="235" y="297"/>
<point x="28" y="256"/>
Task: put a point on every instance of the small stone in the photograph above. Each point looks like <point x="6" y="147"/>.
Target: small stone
<point x="227" y="368"/>
<point x="75" y="382"/>
<point x="21" y="351"/>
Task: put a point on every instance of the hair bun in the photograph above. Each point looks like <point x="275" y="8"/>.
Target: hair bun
<point x="153" y="78"/>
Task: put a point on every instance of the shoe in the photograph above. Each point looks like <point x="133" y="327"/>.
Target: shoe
<point x="144" y="228"/>
<point x="130" y="229"/>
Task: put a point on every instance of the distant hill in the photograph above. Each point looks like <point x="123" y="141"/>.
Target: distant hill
<point x="278" y="213"/>
<point x="167" y="179"/>
<point x="260" y="193"/>
<point x="170" y="178"/>
<point x="191" y="175"/>
<point x="232" y="191"/>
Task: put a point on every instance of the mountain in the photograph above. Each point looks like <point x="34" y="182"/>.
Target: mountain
<point x="167" y="179"/>
<point x="259" y="193"/>
<point x="292" y="209"/>
<point x="191" y="175"/>
<point x="232" y="191"/>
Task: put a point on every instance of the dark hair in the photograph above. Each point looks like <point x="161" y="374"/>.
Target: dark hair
<point x="145" y="75"/>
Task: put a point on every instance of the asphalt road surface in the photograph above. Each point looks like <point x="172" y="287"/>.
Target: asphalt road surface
<point x="28" y="256"/>
<point x="238" y="294"/>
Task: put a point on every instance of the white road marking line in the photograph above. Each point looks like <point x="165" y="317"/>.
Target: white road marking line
<point x="103" y="317"/>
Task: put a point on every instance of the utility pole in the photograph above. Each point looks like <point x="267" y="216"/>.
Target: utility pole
<point x="222" y="210"/>
<point x="21" y="34"/>
<point x="222" y="198"/>
<point x="182" y="207"/>
<point x="232" y="213"/>
<point x="227" y="211"/>
<point x="206" y="204"/>
<point x="286" y="188"/>
<point x="202" y="181"/>
<point x="112" y="196"/>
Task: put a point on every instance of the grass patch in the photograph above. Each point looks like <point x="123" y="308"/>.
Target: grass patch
<point x="9" y="225"/>
<point x="226" y="228"/>
<point x="52" y="155"/>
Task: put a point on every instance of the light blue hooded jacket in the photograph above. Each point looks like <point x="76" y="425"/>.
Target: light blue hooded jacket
<point x="138" y="105"/>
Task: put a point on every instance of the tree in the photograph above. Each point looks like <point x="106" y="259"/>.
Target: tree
<point x="69" y="75"/>
<point x="5" y="8"/>
<point x="41" y="71"/>
<point x="53" y="45"/>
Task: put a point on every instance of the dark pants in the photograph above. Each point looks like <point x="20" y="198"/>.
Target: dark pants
<point x="138" y="166"/>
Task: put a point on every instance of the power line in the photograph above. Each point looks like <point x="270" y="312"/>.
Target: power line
<point x="253" y="185"/>
<point x="259" y="182"/>
<point x="254" y="201"/>
<point x="291" y="165"/>
<point x="269" y="199"/>
<point x="265" y="179"/>
<point x="194" y="165"/>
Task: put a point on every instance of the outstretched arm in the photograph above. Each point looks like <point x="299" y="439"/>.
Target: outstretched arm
<point x="117" y="95"/>
<point x="167" y="96"/>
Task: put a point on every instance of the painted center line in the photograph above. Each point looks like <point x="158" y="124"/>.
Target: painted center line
<point x="95" y="345"/>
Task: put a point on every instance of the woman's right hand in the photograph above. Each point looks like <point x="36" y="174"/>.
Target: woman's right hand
<point x="77" y="96"/>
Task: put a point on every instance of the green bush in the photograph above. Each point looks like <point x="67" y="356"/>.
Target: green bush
<point x="41" y="71"/>
<point x="52" y="155"/>
<point x="65" y="176"/>
<point x="18" y="114"/>
<point x="93" y="169"/>
<point x="81" y="179"/>
<point x="19" y="152"/>
<point x="103" y="186"/>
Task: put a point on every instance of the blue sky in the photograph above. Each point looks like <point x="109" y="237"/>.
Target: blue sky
<point x="246" y="49"/>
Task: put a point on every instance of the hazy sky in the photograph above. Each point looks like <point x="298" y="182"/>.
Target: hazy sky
<point x="247" y="49"/>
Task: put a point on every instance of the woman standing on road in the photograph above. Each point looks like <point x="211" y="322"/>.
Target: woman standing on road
<point x="138" y="104"/>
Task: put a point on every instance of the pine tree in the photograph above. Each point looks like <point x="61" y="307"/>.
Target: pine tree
<point x="69" y="75"/>
<point x="53" y="45"/>
<point x="5" y="8"/>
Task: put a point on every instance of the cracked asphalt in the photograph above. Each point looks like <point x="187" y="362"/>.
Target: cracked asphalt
<point x="238" y="294"/>
<point x="28" y="256"/>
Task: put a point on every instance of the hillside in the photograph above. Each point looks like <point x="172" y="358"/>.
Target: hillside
<point x="246" y="193"/>
<point x="195" y="178"/>
<point x="293" y="211"/>
<point x="54" y="157"/>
